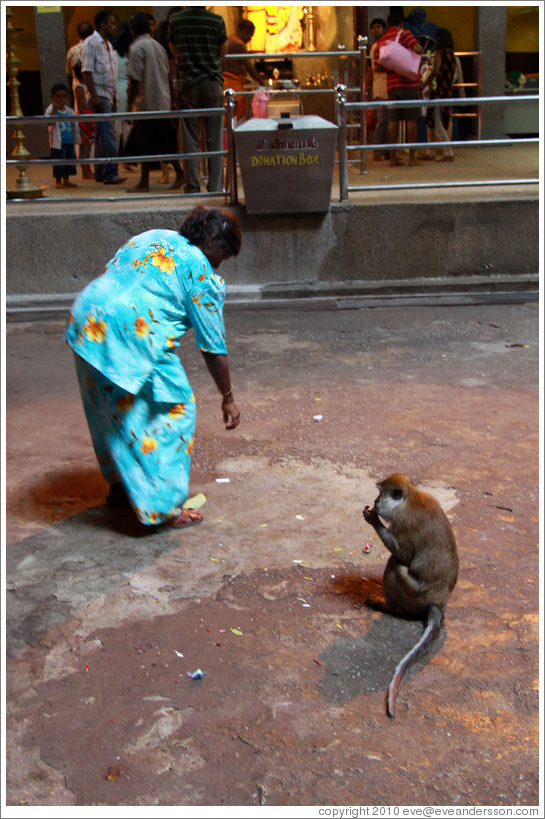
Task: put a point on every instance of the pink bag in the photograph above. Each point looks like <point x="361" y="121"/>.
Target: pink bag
<point x="395" y="57"/>
<point x="260" y="103"/>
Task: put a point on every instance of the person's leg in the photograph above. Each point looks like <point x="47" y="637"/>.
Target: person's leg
<point x="151" y="449"/>
<point x="442" y="135"/>
<point x="393" y="138"/>
<point x="108" y="143"/>
<point x="190" y="133"/>
<point x="143" y="447"/>
<point x="412" y="136"/>
<point x="212" y="97"/>
<point x="381" y="134"/>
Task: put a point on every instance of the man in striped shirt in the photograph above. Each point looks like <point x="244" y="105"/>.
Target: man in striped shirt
<point x="199" y="37"/>
<point x="400" y="88"/>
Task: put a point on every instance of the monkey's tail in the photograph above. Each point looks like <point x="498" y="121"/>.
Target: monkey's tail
<point x="434" y="621"/>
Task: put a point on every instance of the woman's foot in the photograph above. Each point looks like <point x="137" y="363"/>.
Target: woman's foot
<point x="138" y="189"/>
<point x="67" y="184"/>
<point x="187" y="517"/>
<point x="177" y="184"/>
<point x="445" y="158"/>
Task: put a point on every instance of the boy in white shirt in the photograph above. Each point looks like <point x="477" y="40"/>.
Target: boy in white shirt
<point x="63" y="136"/>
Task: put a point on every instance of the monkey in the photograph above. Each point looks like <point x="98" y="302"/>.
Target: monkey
<point x="422" y="569"/>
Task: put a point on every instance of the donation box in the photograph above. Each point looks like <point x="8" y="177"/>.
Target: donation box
<point x="286" y="164"/>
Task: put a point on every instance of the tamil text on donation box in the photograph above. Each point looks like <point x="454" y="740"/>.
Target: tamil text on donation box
<point x="286" y="164"/>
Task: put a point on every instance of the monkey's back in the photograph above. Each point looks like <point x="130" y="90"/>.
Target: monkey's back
<point x="428" y="570"/>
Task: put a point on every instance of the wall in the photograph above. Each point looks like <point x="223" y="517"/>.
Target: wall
<point x="59" y="252"/>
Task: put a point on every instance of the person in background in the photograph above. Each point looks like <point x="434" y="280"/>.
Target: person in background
<point x="121" y="48"/>
<point x="377" y="88"/>
<point x="99" y="72"/>
<point x="73" y="60"/>
<point x="198" y="38"/>
<point x="236" y="72"/>
<point x="161" y="35"/>
<point x="124" y="329"/>
<point x="74" y="53"/>
<point x="63" y="136"/>
<point x="440" y="81"/>
<point x="400" y="87"/>
<point x="150" y="90"/>
<point x="87" y="129"/>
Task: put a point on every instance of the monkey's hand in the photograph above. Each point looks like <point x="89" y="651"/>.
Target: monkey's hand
<point x="371" y="517"/>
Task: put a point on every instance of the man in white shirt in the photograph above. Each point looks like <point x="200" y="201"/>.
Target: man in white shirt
<point x="150" y="90"/>
<point x="99" y="73"/>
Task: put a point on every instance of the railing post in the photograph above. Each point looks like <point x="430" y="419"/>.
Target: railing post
<point x="340" y="112"/>
<point x="362" y="46"/>
<point x="232" y="185"/>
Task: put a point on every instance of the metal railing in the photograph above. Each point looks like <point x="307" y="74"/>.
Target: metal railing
<point x="343" y="107"/>
<point x="22" y="162"/>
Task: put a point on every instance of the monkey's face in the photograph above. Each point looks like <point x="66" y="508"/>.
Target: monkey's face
<point x="390" y="500"/>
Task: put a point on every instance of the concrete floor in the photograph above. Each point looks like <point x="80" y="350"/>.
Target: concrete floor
<point x="266" y="596"/>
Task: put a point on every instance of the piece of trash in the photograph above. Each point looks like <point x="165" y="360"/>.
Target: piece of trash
<point x="178" y="653"/>
<point x="195" y="502"/>
<point x="114" y="772"/>
<point x="215" y="559"/>
<point x="87" y="668"/>
<point x="299" y="517"/>
<point x="306" y="605"/>
<point x="296" y="561"/>
<point x="223" y="480"/>
<point x="318" y="417"/>
<point x="237" y="631"/>
<point x="196" y="675"/>
<point x="366" y="549"/>
<point x="518" y="345"/>
<point x="317" y="662"/>
<point x="309" y="578"/>
<point x="339" y="626"/>
<point x="263" y="525"/>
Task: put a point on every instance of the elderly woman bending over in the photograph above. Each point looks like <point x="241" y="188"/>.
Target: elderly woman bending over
<point x="124" y="329"/>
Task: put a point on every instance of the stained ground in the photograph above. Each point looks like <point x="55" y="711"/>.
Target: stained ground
<point x="105" y="621"/>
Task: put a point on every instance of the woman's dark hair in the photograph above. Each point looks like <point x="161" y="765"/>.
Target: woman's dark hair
<point x="443" y="39"/>
<point x="123" y="42"/>
<point x="76" y="68"/>
<point x="216" y="224"/>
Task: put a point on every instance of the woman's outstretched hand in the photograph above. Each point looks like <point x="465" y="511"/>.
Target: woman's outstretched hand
<point x="231" y="413"/>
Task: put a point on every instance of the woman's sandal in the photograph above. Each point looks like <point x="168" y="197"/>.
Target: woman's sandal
<point x="187" y="517"/>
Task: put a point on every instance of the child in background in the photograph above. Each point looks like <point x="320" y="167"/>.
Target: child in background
<point x="63" y="136"/>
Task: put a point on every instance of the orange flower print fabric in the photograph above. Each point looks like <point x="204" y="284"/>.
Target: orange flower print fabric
<point x="124" y="329"/>
<point x="128" y="322"/>
<point x="143" y="444"/>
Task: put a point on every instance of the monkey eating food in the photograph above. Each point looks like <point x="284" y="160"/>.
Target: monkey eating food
<point x="423" y="566"/>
